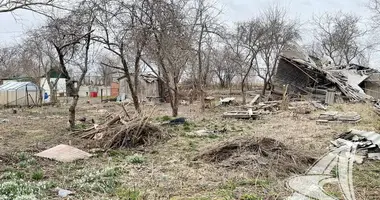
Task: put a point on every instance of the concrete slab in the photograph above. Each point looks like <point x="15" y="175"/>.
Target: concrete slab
<point x="64" y="153"/>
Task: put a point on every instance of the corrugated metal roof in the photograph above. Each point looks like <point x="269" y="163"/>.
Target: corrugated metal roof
<point x="374" y="78"/>
<point x="17" y="85"/>
<point x="372" y="136"/>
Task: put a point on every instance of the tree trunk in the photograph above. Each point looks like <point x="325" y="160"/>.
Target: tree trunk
<point x="202" y="96"/>
<point x="175" y="103"/>
<point x="243" y="92"/>
<point x="53" y="96"/>
<point x="134" y="95"/>
<point x="72" y="111"/>
<point x="264" y="87"/>
<point x="40" y="97"/>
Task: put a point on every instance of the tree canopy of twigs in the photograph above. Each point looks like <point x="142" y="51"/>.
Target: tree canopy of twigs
<point x="174" y="40"/>
<point x="341" y="38"/>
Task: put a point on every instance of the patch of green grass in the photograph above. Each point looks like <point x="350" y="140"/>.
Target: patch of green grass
<point x="165" y="118"/>
<point x="189" y="126"/>
<point x="335" y="172"/>
<point x="136" y="159"/>
<point x="229" y="185"/>
<point x="23" y="164"/>
<point x="193" y="145"/>
<point x="20" y="189"/>
<point x="37" y="175"/>
<point x="99" y="181"/>
<point x="254" y="182"/>
<point x="250" y="197"/>
<point x="117" y="153"/>
<point x="80" y="126"/>
<point x="9" y="175"/>
<point x="333" y="190"/>
<point x="25" y="160"/>
<point x="199" y="198"/>
<point x="212" y="136"/>
<point x="128" y="194"/>
<point x="22" y="156"/>
<point x="226" y="194"/>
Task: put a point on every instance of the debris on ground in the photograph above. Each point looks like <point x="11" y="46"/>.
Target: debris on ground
<point x="376" y="107"/>
<point x="306" y="75"/>
<point x="318" y="105"/>
<point x="4" y="120"/>
<point x="209" y="101"/>
<point x="368" y="144"/>
<point x="262" y="154"/>
<point x="184" y="103"/>
<point x="82" y="119"/>
<point x="271" y="106"/>
<point x="249" y="114"/>
<point x="64" y="153"/>
<point x="206" y="133"/>
<point x="64" y="193"/>
<point x="301" y="107"/>
<point x="228" y="101"/>
<point x="254" y="100"/>
<point x="125" y="131"/>
<point x="177" y="121"/>
<point x="337" y="117"/>
<point x="374" y="156"/>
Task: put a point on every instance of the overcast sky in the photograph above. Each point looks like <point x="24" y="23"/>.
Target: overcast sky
<point x="12" y="26"/>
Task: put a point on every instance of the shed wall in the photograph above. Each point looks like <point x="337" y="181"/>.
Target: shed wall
<point x="291" y="75"/>
<point x="145" y="89"/>
<point x="372" y="89"/>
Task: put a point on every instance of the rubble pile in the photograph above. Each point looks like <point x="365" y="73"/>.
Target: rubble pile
<point x="336" y="117"/>
<point x="309" y="76"/>
<point x="367" y="144"/>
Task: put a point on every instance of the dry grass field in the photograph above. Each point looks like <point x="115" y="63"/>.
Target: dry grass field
<point x="249" y="159"/>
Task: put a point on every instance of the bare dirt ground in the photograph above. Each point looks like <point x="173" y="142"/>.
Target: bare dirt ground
<point x="179" y="167"/>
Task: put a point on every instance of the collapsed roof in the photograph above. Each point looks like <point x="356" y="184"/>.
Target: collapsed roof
<point x="300" y="71"/>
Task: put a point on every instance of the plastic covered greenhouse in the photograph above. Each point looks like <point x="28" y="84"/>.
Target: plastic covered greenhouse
<point x="19" y="94"/>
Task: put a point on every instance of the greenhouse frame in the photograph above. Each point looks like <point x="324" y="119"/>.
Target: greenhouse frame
<point x="19" y="94"/>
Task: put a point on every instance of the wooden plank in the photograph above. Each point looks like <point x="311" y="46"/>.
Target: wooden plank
<point x="330" y="97"/>
<point x="254" y="100"/>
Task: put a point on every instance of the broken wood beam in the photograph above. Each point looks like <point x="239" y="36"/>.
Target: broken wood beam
<point x="254" y="100"/>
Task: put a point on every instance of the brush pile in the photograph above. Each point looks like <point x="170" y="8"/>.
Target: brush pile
<point x="264" y="155"/>
<point x="125" y="131"/>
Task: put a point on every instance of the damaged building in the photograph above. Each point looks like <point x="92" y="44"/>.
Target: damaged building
<point x="309" y="76"/>
<point x="150" y="88"/>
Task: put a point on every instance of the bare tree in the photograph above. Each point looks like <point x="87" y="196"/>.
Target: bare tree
<point x="71" y="38"/>
<point x="9" y="57"/>
<point x="104" y="70"/>
<point x="43" y="59"/>
<point x="374" y="7"/>
<point x="125" y="33"/>
<point x="10" y="6"/>
<point x="314" y="49"/>
<point x="205" y="28"/>
<point x="279" y="32"/>
<point x="170" y="47"/>
<point x="245" y="45"/>
<point x="340" y="37"/>
<point x="223" y="66"/>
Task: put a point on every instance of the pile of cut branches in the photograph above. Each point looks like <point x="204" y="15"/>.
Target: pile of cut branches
<point x="124" y="131"/>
